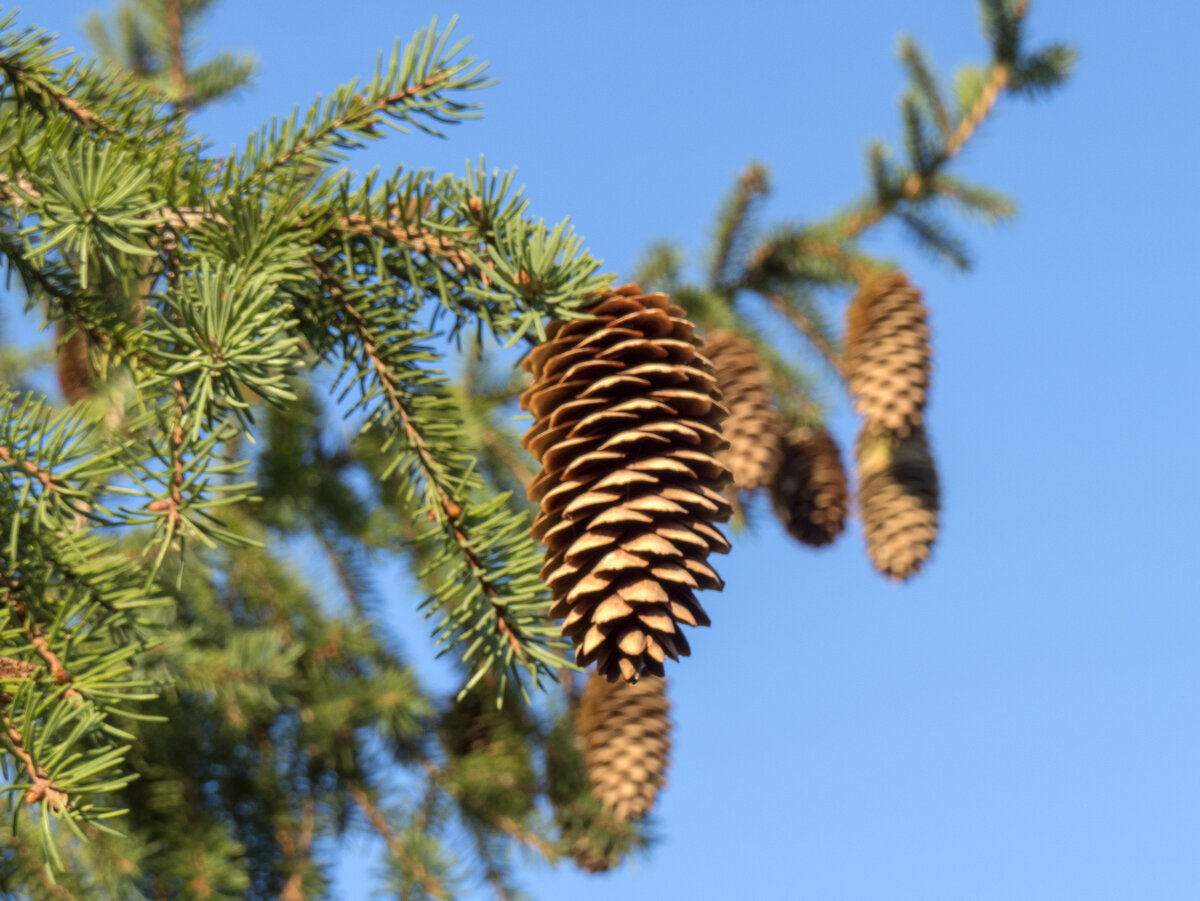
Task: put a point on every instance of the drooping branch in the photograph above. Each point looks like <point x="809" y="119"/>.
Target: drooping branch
<point x="917" y="182"/>
<point x="395" y="847"/>
<point x="448" y="509"/>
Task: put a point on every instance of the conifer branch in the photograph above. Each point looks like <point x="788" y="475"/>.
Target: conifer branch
<point x="494" y="442"/>
<point x="29" y="79"/>
<point x="917" y="182"/>
<point x="32" y="864"/>
<point x="731" y="223"/>
<point x="395" y="847"/>
<point x="42" y="787"/>
<point x="338" y="561"/>
<point x="446" y="510"/>
<point x="806" y="326"/>
<point x="173" y="19"/>
<point x="298" y="852"/>
<point x="418" y="239"/>
<point x="504" y="823"/>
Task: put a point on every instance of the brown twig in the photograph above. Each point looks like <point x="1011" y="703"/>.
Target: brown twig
<point x="57" y="671"/>
<point x="174" y="499"/>
<point x="414" y="236"/>
<point x="808" y="328"/>
<point x="998" y="76"/>
<point x="494" y="442"/>
<point x="62" y="100"/>
<point x="42" y="787"/>
<point x="339" y="568"/>
<point x="450" y="509"/>
<point x="44" y="477"/>
<point x="293" y="889"/>
<point x="504" y="823"/>
<point x="395" y="846"/>
<point x="173" y="15"/>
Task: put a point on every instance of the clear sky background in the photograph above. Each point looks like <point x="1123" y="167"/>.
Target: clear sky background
<point x="1022" y="721"/>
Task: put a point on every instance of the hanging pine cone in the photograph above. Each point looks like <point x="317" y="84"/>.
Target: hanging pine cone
<point x="887" y="361"/>
<point x="754" y="428"/>
<point x="809" y="493"/>
<point x="626" y="736"/>
<point x="627" y="423"/>
<point x="72" y="365"/>
<point x="899" y="498"/>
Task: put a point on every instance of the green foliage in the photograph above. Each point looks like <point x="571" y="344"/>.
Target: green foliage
<point x="197" y="698"/>
<point x="149" y="39"/>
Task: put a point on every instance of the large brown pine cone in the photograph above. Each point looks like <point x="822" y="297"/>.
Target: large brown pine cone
<point x="626" y="736"/>
<point x="888" y="355"/>
<point x="627" y="422"/>
<point x="754" y="428"/>
<point x="810" y="493"/>
<point x="899" y="497"/>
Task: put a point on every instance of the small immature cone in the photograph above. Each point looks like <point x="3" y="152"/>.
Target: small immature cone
<point x="627" y="422"/>
<point x="810" y="494"/>
<point x="72" y="366"/>
<point x="887" y="361"/>
<point x="899" y="497"/>
<point x="754" y="428"/>
<point x="626" y="736"/>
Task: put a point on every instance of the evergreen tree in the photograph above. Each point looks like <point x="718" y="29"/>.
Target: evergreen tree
<point x="183" y="715"/>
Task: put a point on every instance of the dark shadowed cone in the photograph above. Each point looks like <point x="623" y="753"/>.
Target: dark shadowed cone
<point x="899" y="498"/>
<point x="627" y="422"/>
<point x="809" y="493"/>
<point x="887" y="361"/>
<point x="626" y="736"/>
<point x="74" y="370"/>
<point x="754" y="428"/>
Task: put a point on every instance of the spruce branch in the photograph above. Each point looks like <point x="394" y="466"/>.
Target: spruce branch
<point x="42" y="787"/>
<point x="455" y="517"/>
<point x="31" y="81"/>
<point x="173" y="19"/>
<point x="731" y="223"/>
<point x="417" y="86"/>
<point x="298" y="851"/>
<point x="805" y="323"/>
<point x="410" y="863"/>
<point x="1003" y="22"/>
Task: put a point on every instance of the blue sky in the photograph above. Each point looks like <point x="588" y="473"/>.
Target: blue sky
<point x="1022" y="721"/>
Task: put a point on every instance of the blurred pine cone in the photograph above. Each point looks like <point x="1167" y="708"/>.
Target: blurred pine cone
<point x="810" y="494"/>
<point x="899" y="498"/>
<point x="754" y="428"/>
<point x="888" y="355"/>
<point x="72" y="364"/>
<point x="626" y="736"/>
<point x="627" y="423"/>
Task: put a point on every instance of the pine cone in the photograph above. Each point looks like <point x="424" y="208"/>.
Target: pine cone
<point x="887" y="362"/>
<point x="898" y="493"/>
<point x="626" y="736"/>
<point x="754" y="427"/>
<point x="74" y="369"/>
<point x="809" y="493"/>
<point x="627" y="422"/>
